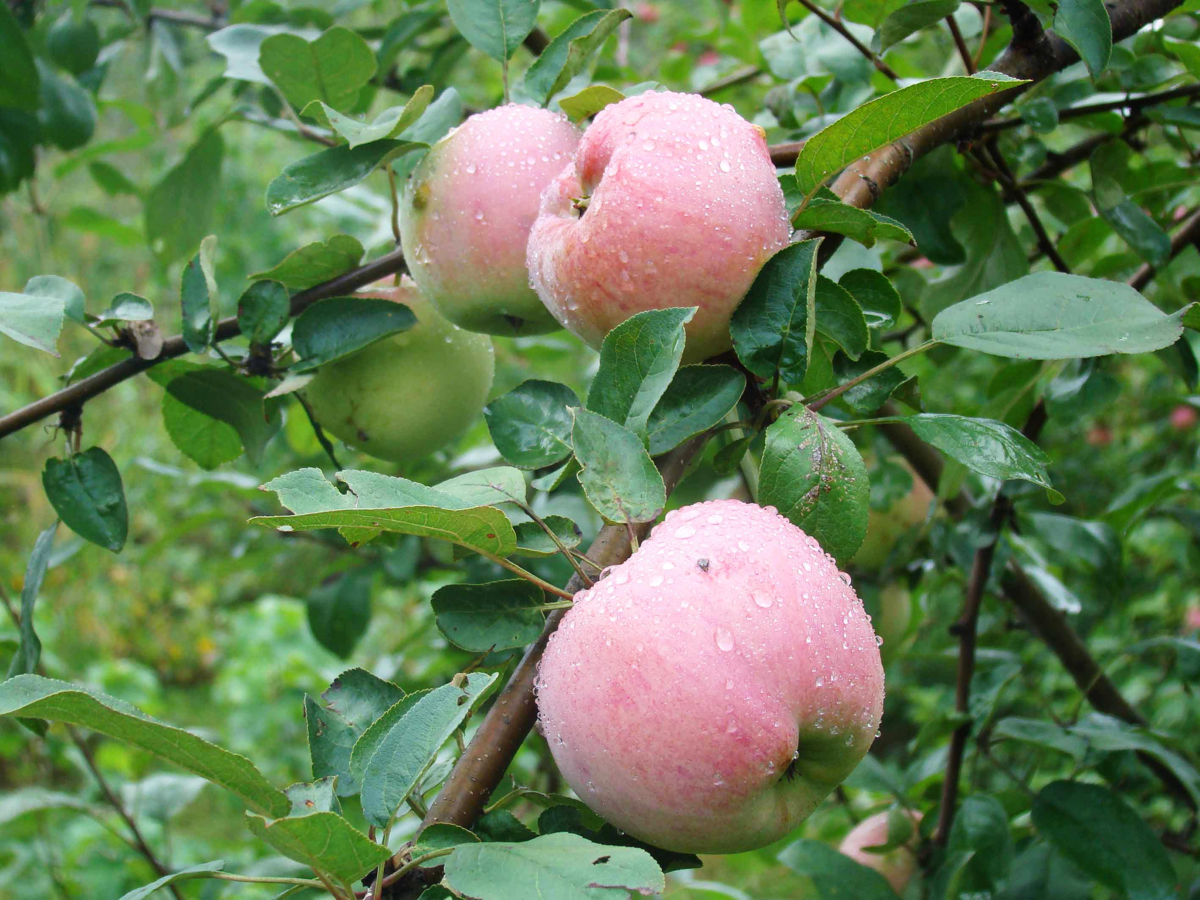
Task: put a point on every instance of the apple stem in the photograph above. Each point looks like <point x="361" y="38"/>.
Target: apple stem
<point x="821" y="398"/>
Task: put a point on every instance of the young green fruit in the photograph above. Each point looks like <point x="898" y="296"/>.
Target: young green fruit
<point x="409" y="394"/>
<point x="711" y="690"/>
<point x="467" y="211"/>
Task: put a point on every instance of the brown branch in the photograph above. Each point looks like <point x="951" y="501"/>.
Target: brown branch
<point x="983" y="36"/>
<point x="784" y="155"/>
<point x="175" y="17"/>
<point x="967" y="60"/>
<point x="1134" y="104"/>
<point x="741" y="76"/>
<point x="854" y="42"/>
<point x="96" y="384"/>
<point x="1009" y="180"/>
<point x="1187" y="235"/>
<point x="536" y="41"/>
<point x="139" y="842"/>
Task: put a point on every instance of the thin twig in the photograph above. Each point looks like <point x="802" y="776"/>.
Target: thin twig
<point x="1009" y="180"/>
<point x="1134" y="104"/>
<point x="964" y="54"/>
<point x="210" y="23"/>
<point x="983" y="36"/>
<point x="115" y="802"/>
<point x="854" y="42"/>
<point x="739" y="76"/>
<point x="173" y="347"/>
<point x="1188" y="234"/>
<point x="322" y="438"/>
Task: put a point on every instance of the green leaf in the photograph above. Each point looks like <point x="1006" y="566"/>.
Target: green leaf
<point x="195" y="291"/>
<point x="532" y="539"/>
<point x="1110" y="735"/>
<point x="909" y="19"/>
<point x="339" y="613"/>
<point x="34" y="321"/>
<point x="67" y="114"/>
<point x="1041" y="733"/>
<point x="323" y="840"/>
<point x="589" y="101"/>
<point x="263" y="310"/>
<point x="983" y="445"/>
<point x="332" y="69"/>
<point x="338" y="326"/>
<point x="316" y="262"/>
<point x="1040" y="114"/>
<point x="203" y="870"/>
<point x="435" y="123"/>
<point x="618" y="476"/>
<point x="1187" y="53"/>
<point x="1128" y="220"/>
<point x="240" y="45"/>
<point x="180" y="208"/>
<point x="85" y="490"/>
<point x="18" y="74"/>
<point x="396" y="505"/>
<point x="869" y="395"/>
<point x="1051" y="315"/>
<point x="881" y="121"/>
<point x="229" y="399"/>
<point x="29" y="648"/>
<point x="566" y="55"/>
<point x="497" y="27"/>
<point x="981" y="829"/>
<point x="18" y="140"/>
<point x="638" y="359"/>
<point x="125" y="307"/>
<point x="813" y="474"/>
<point x="486" y="487"/>
<point x="353" y="701"/>
<point x="560" y="866"/>
<point x="531" y="424"/>
<point x="485" y="618"/>
<point x="862" y="225"/>
<point x="311" y="797"/>
<point x="441" y="836"/>
<point x="834" y="874"/>
<point x="1098" y="831"/>
<point x="698" y="398"/>
<point x="20" y="802"/>
<point x="773" y="327"/>
<point x="413" y="741"/>
<point x="840" y="318"/>
<point x="1085" y="25"/>
<point x="328" y="172"/>
<point x="876" y="296"/>
<point x="206" y="441"/>
<point x="58" y="701"/>
<point x="388" y="124"/>
<point x="67" y="291"/>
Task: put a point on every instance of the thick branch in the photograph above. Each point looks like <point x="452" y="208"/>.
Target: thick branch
<point x="89" y="387"/>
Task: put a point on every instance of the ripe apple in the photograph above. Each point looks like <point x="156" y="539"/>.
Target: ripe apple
<point x="886" y="527"/>
<point x="671" y="200"/>
<point x="1184" y="417"/>
<point x="409" y="394"/>
<point x="897" y="865"/>
<point x="467" y="211"/>
<point x="712" y="689"/>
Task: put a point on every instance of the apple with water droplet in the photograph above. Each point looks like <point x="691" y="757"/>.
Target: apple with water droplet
<point x="672" y="200"/>
<point x="467" y="211"/>
<point x="708" y="692"/>
<point x="408" y="394"/>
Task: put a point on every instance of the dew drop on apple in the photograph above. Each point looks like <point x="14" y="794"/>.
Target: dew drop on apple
<point x="724" y="639"/>
<point x="763" y="599"/>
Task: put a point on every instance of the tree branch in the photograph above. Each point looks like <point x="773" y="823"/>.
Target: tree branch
<point x="1009" y="181"/>
<point x="175" y="17"/>
<point x="1187" y="235"/>
<point x="854" y="42"/>
<point x="1134" y="104"/>
<point x="96" y="384"/>
<point x="967" y="60"/>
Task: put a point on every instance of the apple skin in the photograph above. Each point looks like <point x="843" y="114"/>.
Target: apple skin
<point x="886" y="527"/>
<point x="683" y="209"/>
<point x="409" y="394"/>
<point x="679" y="690"/>
<point x="898" y="865"/>
<point x="895" y="615"/>
<point x="1184" y="417"/>
<point x="467" y="211"/>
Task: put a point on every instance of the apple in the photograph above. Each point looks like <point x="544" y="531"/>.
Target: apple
<point x="467" y="211"/>
<point x="408" y="394"/>
<point x="708" y="692"/>
<point x="897" y="865"/>
<point x="895" y="616"/>
<point x="671" y="200"/>
<point x="1184" y="417"/>
<point x="886" y="527"/>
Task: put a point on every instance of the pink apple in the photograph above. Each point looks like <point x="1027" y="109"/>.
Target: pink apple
<point x="1184" y="417"/>
<point x="897" y="865"/>
<point x="467" y="211"/>
<point x="711" y="690"/>
<point x="671" y="200"/>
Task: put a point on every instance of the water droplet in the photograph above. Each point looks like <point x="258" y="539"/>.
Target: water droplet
<point x="655" y="580"/>
<point x="714" y="519"/>
<point x="729" y="684"/>
<point x="724" y="165"/>
<point x="621" y="577"/>
<point x="470" y="168"/>
<point x="743" y="546"/>
<point x="763" y="599"/>
<point x="717" y="779"/>
<point x="479" y="215"/>
<point x="724" y="639"/>
<point x="685" y="531"/>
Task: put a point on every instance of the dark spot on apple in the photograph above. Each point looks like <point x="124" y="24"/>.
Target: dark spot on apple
<point x="601" y="861"/>
<point x="703" y="563"/>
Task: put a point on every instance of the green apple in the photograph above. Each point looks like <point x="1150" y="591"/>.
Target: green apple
<point x="409" y="394"/>
<point x="886" y="527"/>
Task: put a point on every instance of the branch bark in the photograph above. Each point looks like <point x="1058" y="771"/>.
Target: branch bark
<point x="1187" y="235"/>
<point x="1135" y="104"/>
<point x="89" y="387"/>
